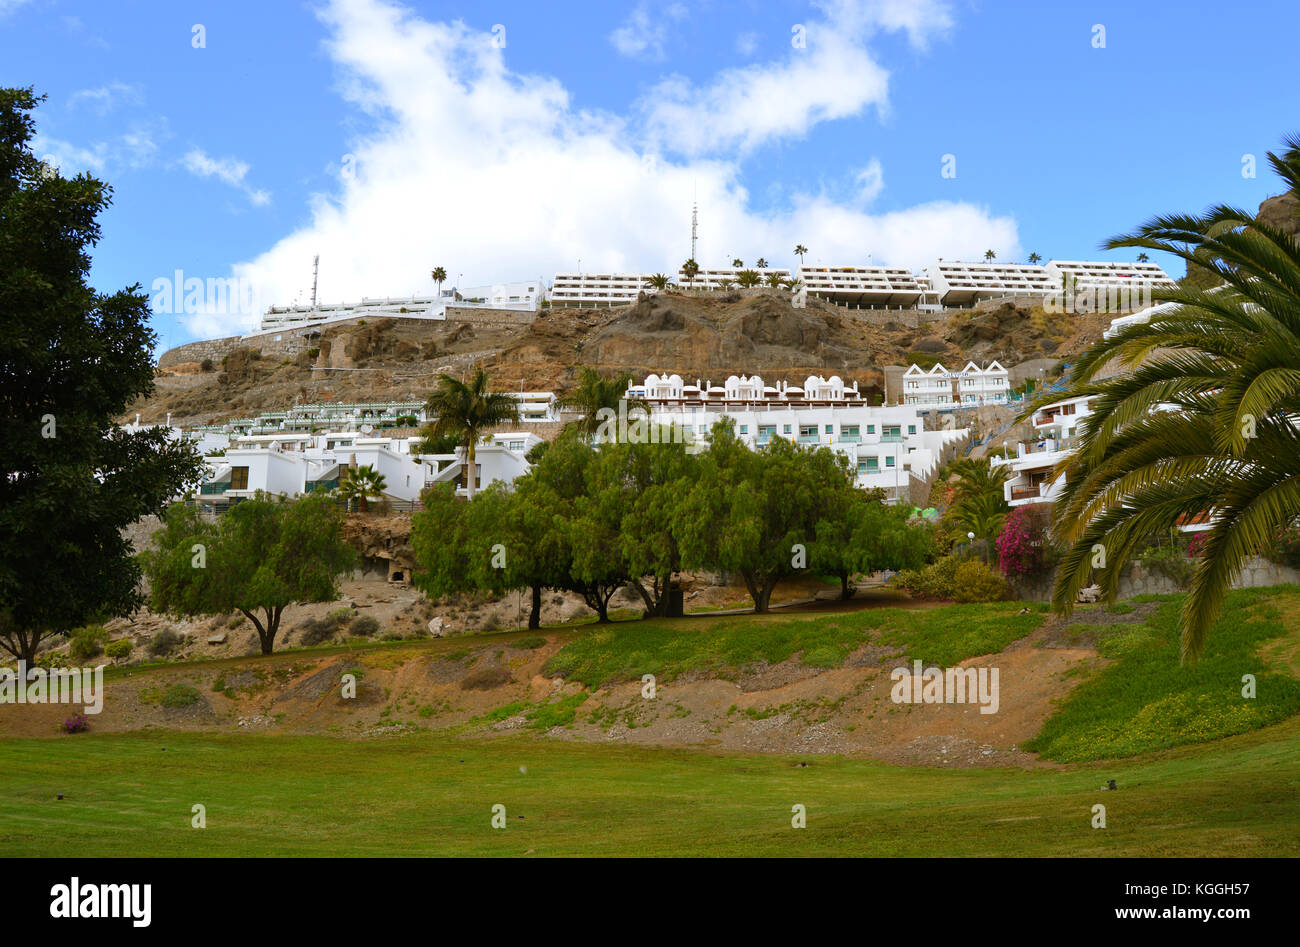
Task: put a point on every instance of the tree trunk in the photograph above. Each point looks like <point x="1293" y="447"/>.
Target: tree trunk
<point x="469" y="468"/>
<point x="846" y="592"/>
<point x="765" y="596"/>
<point x="535" y="615"/>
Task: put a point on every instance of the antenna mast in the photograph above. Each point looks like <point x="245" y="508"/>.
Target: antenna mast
<point x="315" y="272"/>
<point x="695" y="219"/>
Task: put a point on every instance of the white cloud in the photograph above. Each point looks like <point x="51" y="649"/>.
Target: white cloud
<point x="498" y="176"/>
<point x="232" y="171"/>
<point x="827" y="73"/>
<point x="747" y="44"/>
<point x="68" y="158"/>
<point x="645" y="32"/>
<point x="105" y="98"/>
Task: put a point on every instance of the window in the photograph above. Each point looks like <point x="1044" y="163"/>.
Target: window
<point x="239" y="478"/>
<point x="848" y="430"/>
<point x="786" y="429"/>
<point x="871" y="429"/>
<point x="744" y="429"/>
<point x="830" y="429"/>
<point x="889" y="461"/>
<point x="516" y="445"/>
<point x="807" y="430"/>
<point x="862" y="467"/>
<point x="911" y="429"/>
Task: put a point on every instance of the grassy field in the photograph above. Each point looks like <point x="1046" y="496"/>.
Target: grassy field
<point x="131" y="795"/>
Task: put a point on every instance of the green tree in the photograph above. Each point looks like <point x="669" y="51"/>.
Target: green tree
<point x="71" y="363"/>
<point x="799" y="251"/>
<point x="761" y="264"/>
<point x="990" y="256"/>
<point x="261" y="556"/>
<point x="755" y="513"/>
<point x="748" y="278"/>
<point x="1227" y="362"/>
<point x="979" y="502"/>
<point x="775" y="280"/>
<point x="737" y="262"/>
<point x="861" y="534"/>
<point x="690" y="269"/>
<point x="468" y="411"/>
<point x="659" y="281"/>
<point x="439" y="274"/>
<point x="360" y="484"/>
<point x="1035" y="258"/>
<point x="439" y="542"/>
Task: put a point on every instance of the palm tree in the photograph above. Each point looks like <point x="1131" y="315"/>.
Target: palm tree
<point x="989" y="256"/>
<point x="748" y="278"/>
<point x="737" y="262"/>
<point x="360" y="484"/>
<point x="690" y="268"/>
<point x="439" y="274"/>
<point x="659" y="281"/>
<point x="1035" y="259"/>
<point x="1227" y="362"/>
<point x="595" y="392"/>
<point x="1142" y="258"/>
<point x="761" y="264"/>
<point x="775" y="280"/>
<point x="794" y="285"/>
<point x="799" y="251"/>
<point x="979" y="504"/>
<point x="468" y="411"/>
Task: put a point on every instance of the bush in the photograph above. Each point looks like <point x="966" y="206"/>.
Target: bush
<point x="87" y="642"/>
<point x="120" y="648"/>
<point x="206" y="365"/>
<point x="955" y="579"/>
<point x="530" y="643"/>
<point x="364" y="627"/>
<point x="1285" y="549"/>
<point x="77" y="723"/>
<point x="1172" y="562"/>
<point x="317" y="631"/>
<point x="978" y="582"/>
<point x="173" y="695"/>
<point x="486" y="679"/>
<point x="164" y="643"/>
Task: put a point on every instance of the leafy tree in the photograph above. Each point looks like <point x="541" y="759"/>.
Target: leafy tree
<point x="439" y="540"/>
<point x="72" y="361"/>
<point x="862" y="534"/>
<point x="749" y="511"/>
<point x="360" y="484"/>
<point x="261" y="555"/>
<point x="1228" y="362"/>
<point x="443" y="444"/>
<point x="468" y="411"/>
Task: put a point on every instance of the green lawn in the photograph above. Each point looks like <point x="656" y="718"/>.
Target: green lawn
<point x="431" y="794"/>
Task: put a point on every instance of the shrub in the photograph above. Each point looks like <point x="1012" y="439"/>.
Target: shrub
<point x="77" y="723"/>
<point x="173" y="695"/>
<point x="120" y="648"/>
<point x="87" y="642"/>
<point x="937" y="580"/>
<point x="977" y="581"/>
<point x="1285" y="549"/>
<point x="1026" y="545"/>
<point x="486" y="679"/>
<point x="530" y="642"/>
<point x="164" y="643"/>
<point x="206" y="365"/>
<point x="316" y="631"/>
<point x="1170" y="561"/>
<point x="364" y="627"/>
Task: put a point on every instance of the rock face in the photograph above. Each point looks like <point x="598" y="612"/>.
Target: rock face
<point x="383" y="543"/>
<point x="1282" y="212"/>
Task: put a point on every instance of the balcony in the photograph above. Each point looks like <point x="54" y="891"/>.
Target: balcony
<point x="891" y="438"/>
<point x="1027" y="493"/>
<point x="850" y="438"/>
<point x="809" y="439"/>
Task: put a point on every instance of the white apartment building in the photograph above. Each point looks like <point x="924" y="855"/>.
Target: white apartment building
<point x="957" y="284"/>
<point x="597" y="290"/>
<point x="523" y="296"/>
<point x="1032" y="476"/>
<point x="1084" y="275"/>
<point x="886" y="447"/>
<point x="291" y="464"/>
<point x="1137" y="318"/>
<point x="944" y="388"/>
<point x="714" y="279"/>
<point x="889" y="287"/>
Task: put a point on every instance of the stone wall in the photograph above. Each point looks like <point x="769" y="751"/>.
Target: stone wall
<point x="198" y="351"/>
<point x="1139" y="580"/>
<point x="485" y="317"/>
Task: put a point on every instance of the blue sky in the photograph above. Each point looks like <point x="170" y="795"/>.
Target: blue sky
<point x="512" y="140"/>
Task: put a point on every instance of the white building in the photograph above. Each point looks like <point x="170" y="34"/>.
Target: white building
<point x="597" y="290"/>
<point x="715" y="278"/>
<point x="886" y="446"/>
<point x="291" y="464"/>
<point x="523" y="296"/>
<point x="957" y="284"/>
<point x="889" y="287"/>
<point x="1032" y="476"/>
<point x="1137" y="318"/>
<point x="1091" y="275"/>
<point x="944" y="388"/>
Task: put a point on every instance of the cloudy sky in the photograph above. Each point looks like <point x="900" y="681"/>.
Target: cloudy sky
<point x="509" y="141"/>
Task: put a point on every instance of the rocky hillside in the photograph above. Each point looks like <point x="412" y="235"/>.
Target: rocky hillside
<point x="708" y="337"/>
